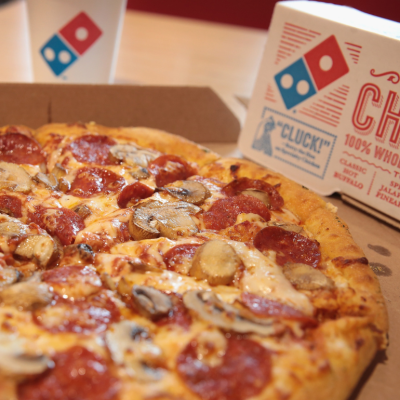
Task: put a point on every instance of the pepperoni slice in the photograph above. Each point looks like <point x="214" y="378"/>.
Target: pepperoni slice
<point x="176" y="256"/>
<point x="132" y="193"/>
<point x="60" y="222"/>
<point x="238" y="185"/>
<point x="11" y="206"/>
<point x="169" y="168"/>
<point x="73" y="280"/>
<point x="93" y="149"/>
<point x="92" y="314"/>
<point x="289" y="246"/>
<point x="224" y="212"/>
<point x="92" y="181"/>
<point x="78" y="374"/>
<point x="67" y="274"/>
<point x="269" y="308"/>
<point x="20" y="149"/>
<point x="244" y="371"/>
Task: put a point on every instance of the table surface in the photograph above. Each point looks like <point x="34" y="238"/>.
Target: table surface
<point x="160" y="50"/>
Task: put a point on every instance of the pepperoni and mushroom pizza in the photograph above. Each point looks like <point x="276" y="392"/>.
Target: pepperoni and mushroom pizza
<point x="135" y="264"/>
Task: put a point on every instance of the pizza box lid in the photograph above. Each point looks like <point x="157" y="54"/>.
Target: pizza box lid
<point x="325" y="109"/>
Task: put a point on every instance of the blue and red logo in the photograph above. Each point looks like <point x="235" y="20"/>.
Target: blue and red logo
<point x="315" y="70"/>
<point x="70" y="42"/>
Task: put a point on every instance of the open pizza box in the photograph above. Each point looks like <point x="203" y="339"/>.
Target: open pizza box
<point x="199" y="115"/>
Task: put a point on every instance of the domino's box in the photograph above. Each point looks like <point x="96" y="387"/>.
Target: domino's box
<point x="325" y="109"/>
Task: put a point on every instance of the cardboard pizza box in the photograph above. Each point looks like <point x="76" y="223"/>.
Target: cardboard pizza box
<point x="194" y="112"/>
<point x="198" y="114"/>
<point x="325" y="109"/>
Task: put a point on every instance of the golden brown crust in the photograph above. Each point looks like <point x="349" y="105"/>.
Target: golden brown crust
<point x="297" y="198"/>
<point x="16" y="128"/>
<point x="343" y="349"/>
<point x="145" y="137"/>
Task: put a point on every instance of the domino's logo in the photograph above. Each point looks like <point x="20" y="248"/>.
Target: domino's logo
<point x="315" y="70"/>
<point x="70" y="42"/>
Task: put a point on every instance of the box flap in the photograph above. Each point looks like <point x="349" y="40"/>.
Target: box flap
<point x="347" y="16"/>
<point x="196" y="113"/>
<point x="325" y="107"/>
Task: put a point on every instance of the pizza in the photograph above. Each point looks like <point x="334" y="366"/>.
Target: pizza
<point x="135" y="264"/>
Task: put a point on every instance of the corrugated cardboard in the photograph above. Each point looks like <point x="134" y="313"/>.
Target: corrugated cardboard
<point x="325" y="108"/>
<point x="194" y="112"/>
<point x="198" y="114"/>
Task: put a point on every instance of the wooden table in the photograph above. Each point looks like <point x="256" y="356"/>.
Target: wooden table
<point x="159" y="50"/>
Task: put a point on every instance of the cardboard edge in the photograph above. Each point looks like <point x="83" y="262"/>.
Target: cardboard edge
<point x="369" y="210"/>
<point x="196" y="113"/>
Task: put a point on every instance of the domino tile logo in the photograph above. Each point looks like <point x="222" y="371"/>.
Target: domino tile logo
<point x="316" y="69"/>
<point x="70" y="42"/>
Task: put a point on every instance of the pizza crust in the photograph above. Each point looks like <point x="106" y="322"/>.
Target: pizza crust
<point x="146" y="137"/>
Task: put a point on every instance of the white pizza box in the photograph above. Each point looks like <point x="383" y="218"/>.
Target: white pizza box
<point x="325" y="109"/>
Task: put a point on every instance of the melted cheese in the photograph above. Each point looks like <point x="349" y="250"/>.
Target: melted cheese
<point x="100" y="206"/>
<point x="285" y="215"/>
<point x="265" y="278"/>
<point x="262" y="276"/>
<point x="167" y="281"/>
<point x="109" y="225"/>
<point x="151" y="250"/>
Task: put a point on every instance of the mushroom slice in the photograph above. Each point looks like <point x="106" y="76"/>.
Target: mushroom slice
<point x="64" y="185"/>
<point x="175" y="223"/>
<point x="15" y="361"/>
<point x="131" y="155"/>
<point x="258" y="194"/>
<point x="142" y="223"/>
<point x="24" y="364"/>
<point x="40" y="247"/>
<point x="12" y="228"/>
<point x="172" y="220"/>
<point x="48" y="181"/>
<point x="138" y="265"/>
<point x="28" y="295"/>
<point x="140" y="173"/>
<point x="8" y="276"/>
<point x="124" y="288"/>
<point x="287" y="226"/>
<point x="107" y="281"/>
<point x="305" y="277"/>
<point x="223" y="315"/>
<point x="189" y="191"/>
<point x="14" y="177"/>
<point x="83" y="211"/>
<point x="216" y="262"/>
<point x="80" y="252"/>
<point x="130" y="345"/>
<point x="151" y="302"/>
<point x="59" y="171"/>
